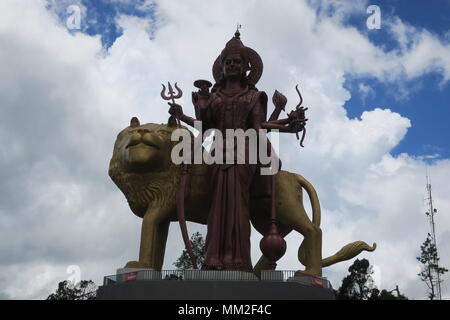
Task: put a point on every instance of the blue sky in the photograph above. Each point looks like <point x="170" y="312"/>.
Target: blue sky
<point x="426" y="103"/>
<point x="101" y="15"/>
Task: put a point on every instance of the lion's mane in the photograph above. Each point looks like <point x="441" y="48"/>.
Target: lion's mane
<point x="144" y="188"/>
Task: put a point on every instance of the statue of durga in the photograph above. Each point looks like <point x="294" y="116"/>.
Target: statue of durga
<point x="235" y="103"/>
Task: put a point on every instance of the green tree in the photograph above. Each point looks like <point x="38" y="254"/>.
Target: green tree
<point x="359" y="285"/>
<point x="84" y="290"/>
<point x="198" y="247"/>
<point x="431" y="272"/>
<point x="386" y="295"/>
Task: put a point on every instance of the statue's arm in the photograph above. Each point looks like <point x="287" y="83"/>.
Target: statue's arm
<point x="202" y="107"/>
<point x="280" y="121"/>
<point x="176" y="111"/>
<point x="295" y="122"/>
<point x="275" y="114"/>
<point x="283" y="125"/>
<point x="270" y="125"/>
<point x="188" y="120"/>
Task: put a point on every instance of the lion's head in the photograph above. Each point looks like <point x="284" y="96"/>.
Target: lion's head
<point x="141" y="165"/>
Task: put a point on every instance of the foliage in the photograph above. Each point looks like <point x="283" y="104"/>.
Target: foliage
<point x="198" y="247"/>
<point x="173" y="277"/>
<point x="84" y="290"/>
<point x="359" y="285"/>
<point x="431" y="272"/>
<point x="386" y="295"/>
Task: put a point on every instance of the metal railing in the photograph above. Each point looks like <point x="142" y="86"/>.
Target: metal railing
<point x="199" y="275"/>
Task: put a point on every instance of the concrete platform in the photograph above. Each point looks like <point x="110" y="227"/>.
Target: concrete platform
<point x="212" y="290"/>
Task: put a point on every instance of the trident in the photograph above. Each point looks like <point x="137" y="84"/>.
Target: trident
<point x="172" y="96"/>
<point x="180" y="196"/>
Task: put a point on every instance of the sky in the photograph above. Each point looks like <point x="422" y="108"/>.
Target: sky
<point x="378" y="116"/>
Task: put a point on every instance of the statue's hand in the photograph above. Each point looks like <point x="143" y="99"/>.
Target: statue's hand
<point x="175" y="110"/>
<point x="296" y="126"/>
<point x="298" y="114"/>
<point x="297" y="119"/>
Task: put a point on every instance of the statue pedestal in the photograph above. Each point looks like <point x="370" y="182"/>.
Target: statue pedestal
<point x="212" y="285"/>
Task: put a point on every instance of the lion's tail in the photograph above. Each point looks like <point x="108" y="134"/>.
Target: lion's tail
<point x="315" y="204"/>
<point x="348" y="252"/>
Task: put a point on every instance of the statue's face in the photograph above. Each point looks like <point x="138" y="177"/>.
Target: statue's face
<point x="233" y="66"/>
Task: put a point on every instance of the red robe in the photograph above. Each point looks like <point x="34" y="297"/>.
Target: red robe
<point x="228" y="237"/>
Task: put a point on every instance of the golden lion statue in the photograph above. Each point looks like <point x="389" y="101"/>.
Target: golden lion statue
<point x="142" y="169"/>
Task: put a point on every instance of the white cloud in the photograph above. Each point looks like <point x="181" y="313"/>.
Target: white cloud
<point x="419" y="52"/>
<point x="365" y="91"/>
<point x="64" y="102"/>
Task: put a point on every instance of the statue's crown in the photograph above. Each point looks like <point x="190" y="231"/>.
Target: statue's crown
<point x="234" y="45"/>
<point x="251" y="59"/>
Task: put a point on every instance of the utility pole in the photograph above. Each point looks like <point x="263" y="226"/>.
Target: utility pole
<point x="430" y="214"/>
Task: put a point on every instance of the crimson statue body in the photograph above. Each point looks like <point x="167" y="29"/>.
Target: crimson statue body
<point x="234" y="103"/>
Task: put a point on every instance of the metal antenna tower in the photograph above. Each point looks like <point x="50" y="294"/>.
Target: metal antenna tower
<point x="430" y="214"/>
